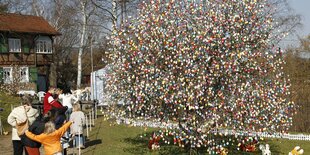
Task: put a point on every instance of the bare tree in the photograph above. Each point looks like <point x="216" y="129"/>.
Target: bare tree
<point x="18" y="6"/>
<point x="83" y="32"/>
<point x="116" y="12"/>
<point x="297" y="66"/>
<point x="3" y="8"/>
<point x="286" y="21"/>
<point x="84" y="12"/>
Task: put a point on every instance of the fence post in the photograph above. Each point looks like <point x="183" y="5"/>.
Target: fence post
<point x="95" y="108"/>
<point x="90" y="121"/>
<point x="1" y="127"/>
<point x="86" y="125"/>
<point x="79" y="142"/>
<point x="74" y="142"/>
<point x="93" y="115"/>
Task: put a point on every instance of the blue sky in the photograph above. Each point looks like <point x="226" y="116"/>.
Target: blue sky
<point x="301" y="7"/>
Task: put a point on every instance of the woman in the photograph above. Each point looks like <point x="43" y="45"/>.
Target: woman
<point x="19" y="115"/>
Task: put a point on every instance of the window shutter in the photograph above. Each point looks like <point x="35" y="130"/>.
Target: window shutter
<point x="1" y="74"/>
<point x="11" y="45"/>
<point x="3" y="45"/>
<point x="26" y="49"/>
<point x="33" y="74"/>
<point x="3" y="48"/>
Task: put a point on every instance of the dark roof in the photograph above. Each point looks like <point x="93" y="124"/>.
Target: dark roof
<point x="25" y="24"/>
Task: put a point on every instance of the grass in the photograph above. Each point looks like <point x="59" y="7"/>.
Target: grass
<point x="283" y="146"/>
<point x="6" y="102"/>
<point x="112" y="139"/>
<point x="109" y="139"/>
<point x="115" y="139"/>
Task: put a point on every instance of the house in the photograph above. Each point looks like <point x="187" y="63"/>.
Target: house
<point x="26" y="41"/>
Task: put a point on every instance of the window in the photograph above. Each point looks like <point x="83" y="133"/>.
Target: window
<point x="7" y="75"/>
<point x="24" y="74"/>
<point x="14" y="45"/>
<point x="44" y="45"/>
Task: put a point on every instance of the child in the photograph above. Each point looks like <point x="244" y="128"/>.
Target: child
<point x="67" y="99"/>
<point x="59" y="118"/>
<point x="50" y="138"/>
<point x="37" y="128"/>
<point x="76" y="129"/>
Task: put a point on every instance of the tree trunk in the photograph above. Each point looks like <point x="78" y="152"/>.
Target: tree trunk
<point x="122" y="12"/>
<point x="114" y="13"/>
<point x="79" y="75"/>
<point x="53" y="75"/>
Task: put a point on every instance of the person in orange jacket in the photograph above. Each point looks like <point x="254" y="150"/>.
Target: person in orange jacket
<point x="50" y="138"/>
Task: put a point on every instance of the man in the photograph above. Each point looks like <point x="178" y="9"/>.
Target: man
<point x="49" y="101"/>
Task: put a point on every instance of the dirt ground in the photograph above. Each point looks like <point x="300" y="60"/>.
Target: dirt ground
<point x="6" y="147"/>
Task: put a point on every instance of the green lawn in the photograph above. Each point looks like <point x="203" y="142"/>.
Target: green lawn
<point x="122" y="140"/>
<point x="283" y="146"/>
<point x="6" y="102"/>
<point x="114" y="139"/>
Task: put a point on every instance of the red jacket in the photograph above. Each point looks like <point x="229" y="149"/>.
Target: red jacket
<point x="48" y="106"/>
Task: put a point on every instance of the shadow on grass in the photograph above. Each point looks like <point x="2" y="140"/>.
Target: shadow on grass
<point x="141" y="147"/>
<point x="164" y="150"/>
<point x="273" y="147"/>
<point x="93" y="142"/>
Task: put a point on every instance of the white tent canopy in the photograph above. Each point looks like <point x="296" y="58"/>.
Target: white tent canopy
<point x="98" y="86"/>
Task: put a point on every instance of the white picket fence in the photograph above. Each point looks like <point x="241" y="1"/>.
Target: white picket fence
<point x="265" y="135"/>
<point x="157" y="124"/>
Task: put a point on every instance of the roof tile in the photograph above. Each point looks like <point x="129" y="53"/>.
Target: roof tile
<point x="25" y="23"/>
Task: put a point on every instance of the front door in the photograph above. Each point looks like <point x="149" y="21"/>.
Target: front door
<point x="42" y="83"/>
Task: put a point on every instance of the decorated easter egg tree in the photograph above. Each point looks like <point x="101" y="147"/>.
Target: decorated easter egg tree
<point x="204" y="65"/>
